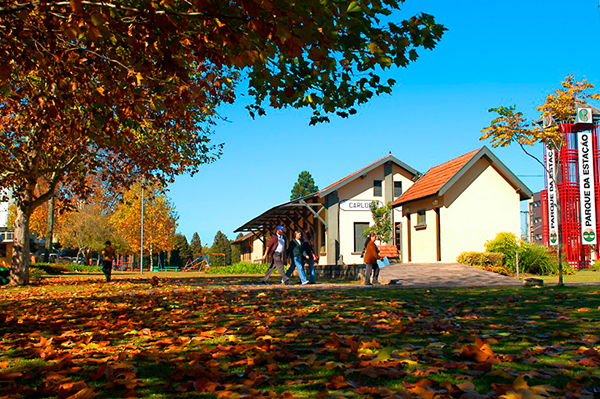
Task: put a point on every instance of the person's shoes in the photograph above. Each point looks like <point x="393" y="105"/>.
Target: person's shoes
<point x="305" y="283"/>
<point x="375" y="282"/>
<point x="285" y="282"/>
<point x="265" y="282"/>
<point x="367" y="283"/>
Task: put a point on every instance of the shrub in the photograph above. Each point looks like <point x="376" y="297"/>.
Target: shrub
<point x="537" y="259"/>
<point x="58" y="268"/>
<point x="36" y="275"/>
<point x="596" y="266"/>
<point x="505" y="243"/>
<point x="239" y="268"/>
<point x="51" y="268"/>
<point x="486" y="260"/>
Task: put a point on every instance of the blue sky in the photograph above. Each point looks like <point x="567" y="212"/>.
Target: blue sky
<point x="494" y="53"/>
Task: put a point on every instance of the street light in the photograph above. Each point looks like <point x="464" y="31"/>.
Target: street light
<point x="142" y="235"/>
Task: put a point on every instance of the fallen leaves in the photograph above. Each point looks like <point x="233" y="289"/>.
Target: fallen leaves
<point x="124" y="340"/>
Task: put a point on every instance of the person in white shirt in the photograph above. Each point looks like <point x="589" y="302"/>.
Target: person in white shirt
<point x="275" y="249"/>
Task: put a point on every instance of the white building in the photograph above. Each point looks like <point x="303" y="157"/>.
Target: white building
<point x="456" y="206"/>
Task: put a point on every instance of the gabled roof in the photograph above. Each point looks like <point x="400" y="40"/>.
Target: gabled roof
<point x="278" y="213"/>
<point x="361" y="172"/>
<point x="242" y="238"/>
<point x="440" y="178"/>
<point x="274" y="215"/>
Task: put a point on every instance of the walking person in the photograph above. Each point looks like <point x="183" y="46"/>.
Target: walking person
<point x="297" y="256"/>
<point x="311" y="257"/>
<point x="275" y="249"/>
<point x="108" y="256"/>
<point x="371" y="258"/>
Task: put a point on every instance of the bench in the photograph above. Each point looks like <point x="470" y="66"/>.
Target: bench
<point x="170" y="268"/>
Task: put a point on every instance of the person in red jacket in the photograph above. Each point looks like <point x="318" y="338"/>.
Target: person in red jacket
<point x="371" y="257"/>
<point x="275" y="249"/>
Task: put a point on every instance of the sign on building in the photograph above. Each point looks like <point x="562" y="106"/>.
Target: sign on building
<point x="584" y="115"/>
<point x="552" y="193"/>
<point x="587" y="196"/>
<point x="357" y="205"/>
<point x="547" y="121"/>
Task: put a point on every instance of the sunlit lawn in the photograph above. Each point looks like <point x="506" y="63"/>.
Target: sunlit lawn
<point x="186" y="338"/>
<point x="583" y="276"/>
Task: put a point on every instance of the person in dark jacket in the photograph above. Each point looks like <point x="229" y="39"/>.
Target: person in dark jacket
<point x="371" y="257"/>
<point x="297" y="256"/>
<point x="311" y="256"/>
<point x="275" y="250"/>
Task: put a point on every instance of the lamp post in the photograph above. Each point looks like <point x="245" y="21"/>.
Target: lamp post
<point x="142" y="235"/>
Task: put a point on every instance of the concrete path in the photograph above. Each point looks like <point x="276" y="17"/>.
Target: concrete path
<point x="443" y="275"/>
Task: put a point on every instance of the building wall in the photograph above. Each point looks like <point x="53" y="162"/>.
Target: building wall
<point x="478" y="207"/>
<point x="423" y="244"/>
<point x="535" y="219"/>
<point x="362" y="189"/>
<point x="257" y="250"/>
<point x="3" y="215"/>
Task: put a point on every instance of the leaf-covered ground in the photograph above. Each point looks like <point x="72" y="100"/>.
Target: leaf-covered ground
<point x="84" y="338"/>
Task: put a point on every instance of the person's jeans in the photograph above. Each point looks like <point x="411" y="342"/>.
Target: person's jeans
<point x="296" y="264"/>
<point x="311" y="271"/>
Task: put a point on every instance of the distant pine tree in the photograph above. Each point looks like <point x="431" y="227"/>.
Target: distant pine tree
<point x="180" y="251"/>
<point x="221" y="245"/>
<point x="196" y="245"/>
<point x="236" y="255"/>
<point x="304" y="186"/>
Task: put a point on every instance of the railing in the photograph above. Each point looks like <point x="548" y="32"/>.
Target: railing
<point x="7" y="235"/>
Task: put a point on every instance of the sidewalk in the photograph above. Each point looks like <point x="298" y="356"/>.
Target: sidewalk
<point x="443" y="275"/>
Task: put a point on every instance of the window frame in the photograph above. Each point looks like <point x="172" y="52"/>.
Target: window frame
<point x="358" y="248"/>
<point x="377" y="185"/>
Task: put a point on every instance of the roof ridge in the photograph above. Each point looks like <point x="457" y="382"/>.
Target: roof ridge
<point x="354" y="173"/>
<point x="455" y="158"/>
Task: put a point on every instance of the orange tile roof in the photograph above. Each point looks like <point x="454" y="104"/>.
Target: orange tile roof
<point x="435" y="178"/>
<point x="353" y="174"/>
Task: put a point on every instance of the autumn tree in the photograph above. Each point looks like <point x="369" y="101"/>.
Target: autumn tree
<point x="512" y="127"/>
<point x="304" y="186"/>
<point x="87" y="228"/>
<point x="160" y="219"/>
<point x="221" y="245"/>
<point x="129" y="90"/>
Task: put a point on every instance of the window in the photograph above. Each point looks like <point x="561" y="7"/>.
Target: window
<point x="397" y="189"/>
<point x="377" y="189"/>
<point x="323" y="238"/>
<point x="421" y="220"/>
<point x="2" y="250"/>
<point x="359" y="236"/>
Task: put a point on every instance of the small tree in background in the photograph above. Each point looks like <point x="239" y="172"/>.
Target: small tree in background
<point x="511" y="127"/>
<point x="181" y="250"/>
<point x="304" y="186"/>
<point x="383" y="221"/>
<point x="236" y="253"/>
<point x="221" y="245"/>
<point x="196" y="246"/>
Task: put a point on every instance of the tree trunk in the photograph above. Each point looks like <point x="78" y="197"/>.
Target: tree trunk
<point x="19" y="274"/>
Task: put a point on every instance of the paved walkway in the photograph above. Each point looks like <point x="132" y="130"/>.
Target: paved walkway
<point x="443" y="275"/>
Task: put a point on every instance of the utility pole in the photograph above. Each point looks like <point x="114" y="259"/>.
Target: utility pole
<point x="50" y="231"/>
<point x="142" y="236"/>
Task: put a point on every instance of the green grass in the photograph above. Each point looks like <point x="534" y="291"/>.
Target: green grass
<point x="210" y="337"/>
<point x="582" y="276"/>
